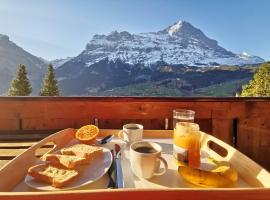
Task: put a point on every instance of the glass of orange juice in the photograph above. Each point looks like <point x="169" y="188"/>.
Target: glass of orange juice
<point x="186" y="140"/>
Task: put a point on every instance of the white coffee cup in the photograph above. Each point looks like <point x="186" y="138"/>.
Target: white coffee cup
<point x="145" y="159"/>
<point x="131" y="133"/>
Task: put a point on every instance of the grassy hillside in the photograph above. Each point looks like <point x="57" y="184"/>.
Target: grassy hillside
<point x="142" y="89"/>
<point x="215" y="81"/>
<point x="223" y="89"/>
<point x="156" y="89"/>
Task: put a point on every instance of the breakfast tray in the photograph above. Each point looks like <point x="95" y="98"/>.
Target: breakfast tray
<point x="253" y="183"/>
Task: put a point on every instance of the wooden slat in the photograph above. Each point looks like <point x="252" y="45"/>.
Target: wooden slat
<point x="205" y="125"/>
<point x="22" y="137"/>
<point x="135" y="110"/>
<point x="130" y="110"/>
<point x="16" y="144"/>
<point x="11" y="153"/>
<point x="42" y="115"/>
<point x="224" y="130"/>
<point x="10" y="124"/>
<point x="254" y="139"/>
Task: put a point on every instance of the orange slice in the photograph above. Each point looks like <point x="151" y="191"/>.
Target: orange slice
<point x="87" y="133"/>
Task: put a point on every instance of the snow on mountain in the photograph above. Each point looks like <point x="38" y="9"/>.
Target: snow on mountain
<point x="174" y="28"/>
<point x="180" y="43"/>
<point x="58" y="62"/>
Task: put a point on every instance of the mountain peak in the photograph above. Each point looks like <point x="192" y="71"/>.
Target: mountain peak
<point x="245" y="54"/>
<point x="175" y="27"/>
<point x="183" y="28"/>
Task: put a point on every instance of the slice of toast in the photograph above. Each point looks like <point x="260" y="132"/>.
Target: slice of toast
<point x="64" y="160"/>
<point x="82" y="150"/>
<point x="56" y="176"/>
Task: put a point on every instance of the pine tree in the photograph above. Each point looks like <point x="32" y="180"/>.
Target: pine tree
<point x="50" y="85"/>
<point x="259" y="86"/>
<point x="20" y="86"/>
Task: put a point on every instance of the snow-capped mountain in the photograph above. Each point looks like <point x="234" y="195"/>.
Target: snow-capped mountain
<point x="122" y="58"/>
<point x="180" y="43"/>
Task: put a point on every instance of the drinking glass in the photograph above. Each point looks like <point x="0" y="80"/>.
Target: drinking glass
<point x="182" y="115"/>
<point x="186" y="140"/>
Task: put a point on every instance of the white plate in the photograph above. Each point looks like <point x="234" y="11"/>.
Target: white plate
<point x="88" y="174"/>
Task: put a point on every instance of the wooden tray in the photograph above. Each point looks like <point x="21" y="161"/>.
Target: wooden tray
<point x="255" y="185"/>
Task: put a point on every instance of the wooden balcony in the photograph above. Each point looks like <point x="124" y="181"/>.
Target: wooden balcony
<point x="242" y="122"/>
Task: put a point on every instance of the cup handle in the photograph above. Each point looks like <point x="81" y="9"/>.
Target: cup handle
<point x="120" y="135"/>
<point x="165" y="166"/>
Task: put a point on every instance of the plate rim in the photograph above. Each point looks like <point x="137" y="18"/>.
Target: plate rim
<point x="28" y="177"/>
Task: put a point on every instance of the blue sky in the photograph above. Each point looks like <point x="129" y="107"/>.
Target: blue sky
<point x="59" y="28"/>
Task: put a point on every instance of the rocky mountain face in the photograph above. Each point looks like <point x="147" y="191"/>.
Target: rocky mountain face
<point x="11" y="56"/>
<point x="122" y="58"/>
<point x="180" y="43"/>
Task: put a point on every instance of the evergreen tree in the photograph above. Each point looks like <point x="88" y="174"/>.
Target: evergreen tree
<point x="260" y="85"/>
<point x="50" y="85"/>
<point x="20" y="86"/>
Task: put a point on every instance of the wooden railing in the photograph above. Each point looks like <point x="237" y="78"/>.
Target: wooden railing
<point x="241" y="122"/>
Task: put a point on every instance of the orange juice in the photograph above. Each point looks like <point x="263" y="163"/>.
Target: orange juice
<point x="186" y="141"/>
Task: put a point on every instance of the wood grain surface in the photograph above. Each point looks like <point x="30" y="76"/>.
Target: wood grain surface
<point x="241" y="122"/>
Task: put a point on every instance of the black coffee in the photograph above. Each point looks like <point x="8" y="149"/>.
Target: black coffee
<point x="145" y="150"/>
<point x="133" y="127"/>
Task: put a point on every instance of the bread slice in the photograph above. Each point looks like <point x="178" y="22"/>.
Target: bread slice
<point x="64" y="160"/>
<point x="82" y="150"/>
<point x="56" y="176"/>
